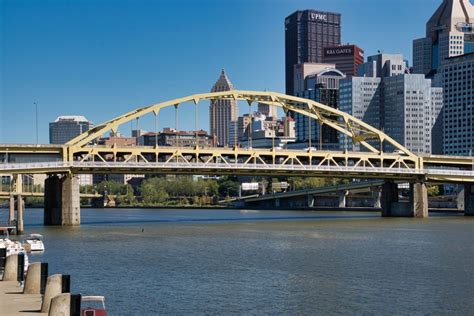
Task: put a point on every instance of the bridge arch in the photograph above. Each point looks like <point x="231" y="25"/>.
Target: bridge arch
<point x="359" y="131"/>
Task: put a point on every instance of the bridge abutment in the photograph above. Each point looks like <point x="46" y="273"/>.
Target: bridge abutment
<point x="417" y="205"/>
<point x="469" y="199"/>
<point x="62" y="201"/>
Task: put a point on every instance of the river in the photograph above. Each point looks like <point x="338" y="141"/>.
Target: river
<point x="183" y="262"/>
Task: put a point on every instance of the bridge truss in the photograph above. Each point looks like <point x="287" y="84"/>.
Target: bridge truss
<point x="82" y="154"/>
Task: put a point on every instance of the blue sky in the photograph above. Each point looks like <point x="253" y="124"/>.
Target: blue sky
<point x="102" y="58"/>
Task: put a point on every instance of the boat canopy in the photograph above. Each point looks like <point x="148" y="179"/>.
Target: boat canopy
<point x="34" y="236"/>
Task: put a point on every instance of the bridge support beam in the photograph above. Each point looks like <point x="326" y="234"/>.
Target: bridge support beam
<point x="20" y="205"/>
<point x="416" y="207"/>
<point x="342" y="198"/>
<point x="11" y="213"/>
<point x="469" y="199"/>
<point x="61" y="201"/>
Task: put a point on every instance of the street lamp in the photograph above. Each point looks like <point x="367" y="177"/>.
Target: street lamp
<point x="36" y="109"/>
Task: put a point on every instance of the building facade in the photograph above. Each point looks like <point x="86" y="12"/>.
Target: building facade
<point x="457" y="79"/>
<point x="172" y="137"/>
<point x="65" y="128"/>
<point x="307" y="33"/>
<point x="321" y="86"/>
<point x="346" y="58"/>
<point x="405" y="106"/>
<point x="449" y="33"/>
<point x="268" y="110"/>
<point x="222" y="112"/>
<point x="411" y="109"/>
<point x="360" y="97"/>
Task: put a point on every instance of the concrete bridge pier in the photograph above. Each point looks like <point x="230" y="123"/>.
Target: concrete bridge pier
<point x="20" y="205"/>
<point x="469" y="199"/>
<point x="417" y="205"/>
<point x="310" y="201"/>
<point x="460" y="197"/>
<point x="419" y="199"/>
<point x="61" y="201"/>
<point x="376" y="196"/>
<point x="11" y="213"/>
<point x="342" y="198"/>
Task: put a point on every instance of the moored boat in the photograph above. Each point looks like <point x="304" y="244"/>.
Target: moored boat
<point x="94" y="306"/>
<point x="35" y="242"/>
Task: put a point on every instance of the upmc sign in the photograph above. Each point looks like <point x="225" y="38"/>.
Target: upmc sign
<point x="317" y="16"/>
<point x="338" y="51"/>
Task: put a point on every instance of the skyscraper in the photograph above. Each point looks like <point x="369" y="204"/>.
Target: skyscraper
<point x="457" y="80"/>
<point x="449" y="32"/>
<point x="319" y="82"/>
<point x="65" y="128"/>
<point x="222" y="112"/>
<point x="307" y="33"/>
<point x="405" y="106"/>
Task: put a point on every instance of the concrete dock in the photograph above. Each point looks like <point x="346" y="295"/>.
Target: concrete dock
<point x="13" y="302"/>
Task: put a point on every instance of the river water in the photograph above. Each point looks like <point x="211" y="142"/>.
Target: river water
<point x="188" y="262"/>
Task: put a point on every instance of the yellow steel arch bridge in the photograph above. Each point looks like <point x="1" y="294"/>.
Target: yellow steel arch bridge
<point x="83" y="155"/>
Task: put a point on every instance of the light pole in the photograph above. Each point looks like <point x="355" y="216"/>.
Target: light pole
<point x="36" y="110"/>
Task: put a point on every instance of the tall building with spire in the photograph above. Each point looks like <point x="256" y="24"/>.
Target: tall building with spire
<point x="449" y="33"/>
<point x="222" y="112"/>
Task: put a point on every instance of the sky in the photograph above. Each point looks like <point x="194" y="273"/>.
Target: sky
<point x="103" y="58"/>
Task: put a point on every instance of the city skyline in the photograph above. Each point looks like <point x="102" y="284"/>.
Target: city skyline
<point x="124" y="56"/>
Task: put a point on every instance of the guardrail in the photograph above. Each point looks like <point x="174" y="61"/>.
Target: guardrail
<point x="220" y="165"/>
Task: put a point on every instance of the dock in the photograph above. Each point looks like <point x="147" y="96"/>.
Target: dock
<point x="13" y="302"/>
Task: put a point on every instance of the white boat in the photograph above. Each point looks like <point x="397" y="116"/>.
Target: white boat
<point x="35" y="241"/>
<point x="13" y="247"/>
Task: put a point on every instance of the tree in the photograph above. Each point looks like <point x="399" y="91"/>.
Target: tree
<point x="433" y="190"/>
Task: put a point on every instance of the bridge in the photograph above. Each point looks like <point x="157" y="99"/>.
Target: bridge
<point x="380" y="157"/>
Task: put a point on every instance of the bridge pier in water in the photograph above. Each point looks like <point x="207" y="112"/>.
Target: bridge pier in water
<point x="11" y="213"/>
<point x="61" y="201"/>
<point x="417" y="205"/>
<point x="341" y="195"/>
<point x="20" y="206"/>
<point x="376" y="196"/>
<point x="469" y="199"/>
